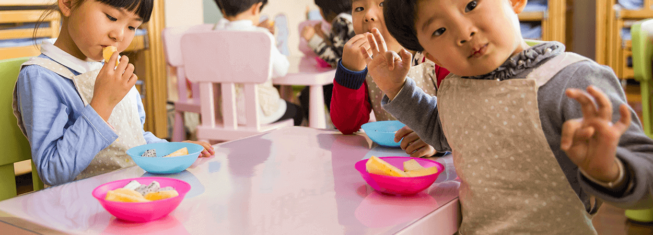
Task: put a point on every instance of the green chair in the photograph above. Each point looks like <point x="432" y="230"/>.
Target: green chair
<point x="642" y="59"/>
<point x="14" y="145"/>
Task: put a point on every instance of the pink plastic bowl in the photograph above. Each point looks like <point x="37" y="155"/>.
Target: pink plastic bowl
<point x="142" y="211"/>
<point x="400" y="185"/>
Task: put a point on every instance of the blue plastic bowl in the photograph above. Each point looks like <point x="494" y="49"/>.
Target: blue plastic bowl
<point x="165" y="165"/>
<point x="383" y="132"/>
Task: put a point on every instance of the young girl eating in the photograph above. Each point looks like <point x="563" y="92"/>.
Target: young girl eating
<point x="529" y="145"/>
<point x="80" y="115"/>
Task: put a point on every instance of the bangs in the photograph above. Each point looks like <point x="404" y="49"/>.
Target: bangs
<point x="142" y="8"/>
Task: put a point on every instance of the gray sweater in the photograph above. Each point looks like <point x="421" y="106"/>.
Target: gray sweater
<point x="419" y="111"/>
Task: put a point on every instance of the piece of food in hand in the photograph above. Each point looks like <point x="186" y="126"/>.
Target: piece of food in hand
<point x="149" y="153"/>
<point x="125" y="195"/>
<point x="377" y="166"/>
<point x="270" y="23"/>
<point x="181" y="152"/>
<point x="412" y="165"/>
<point x="161" y="195"/>
<point x="423" y="171"/>
<point x="107" y="52"/>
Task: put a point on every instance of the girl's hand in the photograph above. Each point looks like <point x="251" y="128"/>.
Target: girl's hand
<point x="267" y="24"/>
<point x="387" y="68"/>
<point x="352" y="58"/>
<point x="308" y="32"/>
<point x="412" y="144"/>
<point x="208" y="149"/>
<point x="112" y="85"/>
<point x="318" y="30"/>
<point x="591" y="142"/>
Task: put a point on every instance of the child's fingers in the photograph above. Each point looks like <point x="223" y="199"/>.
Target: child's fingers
<point x="124" y="62"/>
<point x="408" y="140"/>
<point x="415" y="145"/>
<point x="391" y="58"/>
<point x="379" y="40"/>
<point x="587" y="104"/>
<point x="422" y="152"/>
<point x="132" y="80"/>
<point x="624" y="122"/>
<point x="128" y="72"/>
<point x="406" y="57"/>
<point x="401" y="133"/>
<point x="366" y="55"/>
<point x="568" y="130"/>
<point x="602" y="101"/>
<point x="112" y="61"/>
<point x="373" y="46"/>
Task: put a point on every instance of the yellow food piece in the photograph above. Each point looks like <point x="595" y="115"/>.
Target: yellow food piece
<point x="377" y="166"/>
<point x="153" y="196"/>
<point x="125" y="195"/>
<point x="271" y="23"/>
<point x="107" y="52"/>
<point x="181" y="152"/>
<point x="412" y="165"/>
<point x="423" y="171"/>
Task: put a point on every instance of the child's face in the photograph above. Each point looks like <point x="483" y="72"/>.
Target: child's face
<point x="94" y="25"/>
<point x="368" y="14"/>
<point x="469" y="38"/>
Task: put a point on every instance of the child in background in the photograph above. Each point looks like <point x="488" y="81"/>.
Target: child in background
<point x="355" y="94"/>
<point x="79" y="115"/>
<point x="242" y="15"/>
<point x="328" y="45"/>
<point x="529" y="145"/>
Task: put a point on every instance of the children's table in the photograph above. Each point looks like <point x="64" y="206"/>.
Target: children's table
<point x="295" y="180"/>
<point x="304" y="71"/>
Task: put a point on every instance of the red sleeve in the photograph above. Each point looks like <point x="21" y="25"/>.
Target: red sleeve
<point x="350" y="108"/>
<point x="440" y="74"/>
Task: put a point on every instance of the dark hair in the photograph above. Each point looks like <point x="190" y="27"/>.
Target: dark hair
<point x="334" y="7"/>
<point x="235" y="7"/>
<point x="400" y="21"/>
<point x="142" y="8"/>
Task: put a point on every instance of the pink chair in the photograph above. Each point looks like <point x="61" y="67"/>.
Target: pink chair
<point x="227" y="58"/>
<point x="172" y="49"/>
<point x="303" y="44"/>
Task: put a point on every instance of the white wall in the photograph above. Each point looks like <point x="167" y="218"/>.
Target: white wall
<point x="295" y="10"/>
<point x="183" y="13"/>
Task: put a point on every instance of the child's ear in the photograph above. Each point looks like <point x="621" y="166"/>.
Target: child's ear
<point x="431" y="58"/>
<point x="518" y="5"/>
<point x="256" y="8"/>
<point x="66" y="7"/>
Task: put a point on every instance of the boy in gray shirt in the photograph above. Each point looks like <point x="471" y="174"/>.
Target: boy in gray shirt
<point x="528" y="156"/>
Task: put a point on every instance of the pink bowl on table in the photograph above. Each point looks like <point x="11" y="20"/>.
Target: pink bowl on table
<point x="400" y="185"/>
<point x="142" y="211"/>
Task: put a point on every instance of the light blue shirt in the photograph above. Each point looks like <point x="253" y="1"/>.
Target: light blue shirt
<point x="64" y="134"/>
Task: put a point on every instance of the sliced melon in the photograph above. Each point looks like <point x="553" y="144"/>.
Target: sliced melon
<point x="107" y="52"/>
<point x="181" y="152"/>
<point x="377" y="166"/>
<point x="161" y="195"/>
<point x="423" y="171"/>
<point x="125" y="195"/>
<point x="412" y="165"/>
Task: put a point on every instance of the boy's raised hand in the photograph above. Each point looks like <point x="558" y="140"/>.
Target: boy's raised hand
<point x="112" y="85"/>
<point x="591" y="142"/>
<point x="352" y="58"/>
<point x="387" y="68"/>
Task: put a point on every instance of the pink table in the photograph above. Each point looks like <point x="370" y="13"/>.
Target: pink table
<point x="289" y="181"/>
<point x="304" y="71"/>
